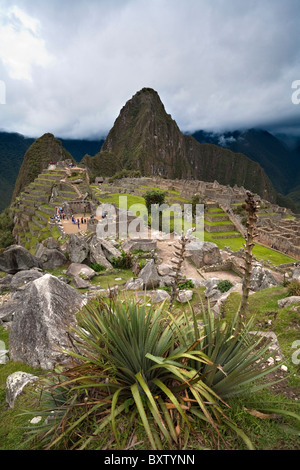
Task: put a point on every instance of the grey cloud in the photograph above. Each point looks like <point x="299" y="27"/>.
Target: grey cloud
<point x="215" y="65"/>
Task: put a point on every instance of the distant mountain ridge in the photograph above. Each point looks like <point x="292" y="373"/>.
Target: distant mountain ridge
<point x="281" y="163"/>
<point x="144" y="137"/>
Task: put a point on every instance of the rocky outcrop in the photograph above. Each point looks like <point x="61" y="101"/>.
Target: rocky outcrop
<point x="77" y="249"/>
<point x="96" y="253"/>
<point x="149" y="275"/>
<point x="16" y="258"/>
<point x="50" y="254"/>
<point x="261" y="278"/>
<point x="46" y="310"/>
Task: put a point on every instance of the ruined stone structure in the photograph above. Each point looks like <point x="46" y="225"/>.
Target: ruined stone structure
<point x="282" y="235"/>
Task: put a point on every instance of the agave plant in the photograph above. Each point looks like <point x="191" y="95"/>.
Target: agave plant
<point x="237" y="353"/>
<point x="136" y="360"/>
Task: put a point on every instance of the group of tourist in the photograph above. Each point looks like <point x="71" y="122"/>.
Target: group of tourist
<point x="78" y="221"/>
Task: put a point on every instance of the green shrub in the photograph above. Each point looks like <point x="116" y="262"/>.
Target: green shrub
<point x="224" y="286"/>
<point x="124" y="261"/>
<point x="293" y="288"/>
<point x="188" y="284"/>
<point x="98" y="267"/>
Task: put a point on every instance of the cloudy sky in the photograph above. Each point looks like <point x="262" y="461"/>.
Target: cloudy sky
<point x="69" y="66"/>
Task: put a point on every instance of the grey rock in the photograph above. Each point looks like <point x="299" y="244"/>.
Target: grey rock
<point x="109" y="249"/>
<point x="164" y="269"/>
<point x="134" y="284"/>
<point x="149" y="275"/>
<point x="80" y="283"/>
<point x="97" y="255"/>
<point x="296" y="274"/>
<point x="5" y="282"/>
<point x="293" y="299"/>
<point x="8" y="310"/>
<point x="211" y="288"/>
<point x="159" y="296"/>
<point x="82" y="270"/>
<point x="139" y="244"/>
<point x="261" y="279"/>
<point x="51" y="243"/>
<point x="15" y="383"/>
<point x="166" y="281"/>
<point x="203" y="253"/>
<point x="22" y="278"/>
<point x="184" y="295"/>
<point x="16" y="258"/>
<point x="51" y="258"/>
<point x="39" y="328"/>
<point x="77" y="249"/>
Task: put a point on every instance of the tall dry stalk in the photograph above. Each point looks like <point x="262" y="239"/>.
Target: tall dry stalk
<point x="180" y="257"/>
<point x="251" y="208"/>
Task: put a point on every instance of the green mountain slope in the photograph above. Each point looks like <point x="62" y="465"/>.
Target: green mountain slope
<point x="37" y="158"/>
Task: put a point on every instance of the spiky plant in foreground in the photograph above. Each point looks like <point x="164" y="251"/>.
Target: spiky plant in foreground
<point x="137" y="362"/>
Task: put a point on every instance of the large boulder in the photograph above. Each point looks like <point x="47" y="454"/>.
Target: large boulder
<point x="77" y="248"/>
<point x="39" y="328"/>
<point x="159" y="295"/>
<point x="97" y="255"/>
<point x="134" y="284"/>
<point x="203" y="253"/>
<point x="261" y="278"/>
<point x="51" y="258"/>
<point x="109" y="250"/>
<point x="82" y="270"/>
<point x="149" y="275"/>
<point x="22" y="278"/>
<point x="5" y="282"/>
<point x="16" y="258"/>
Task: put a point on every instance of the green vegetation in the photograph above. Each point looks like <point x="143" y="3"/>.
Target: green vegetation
<point x="155" y="381"/>
<point x="6" y="228"/>
<point x="37" y="158"/>
<point x="224" y="286"/>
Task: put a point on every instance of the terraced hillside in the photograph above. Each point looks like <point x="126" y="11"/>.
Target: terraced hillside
<point x="35" y="207"/>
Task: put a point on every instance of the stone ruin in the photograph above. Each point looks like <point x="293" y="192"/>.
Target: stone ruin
<point x="282" y="235"/>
